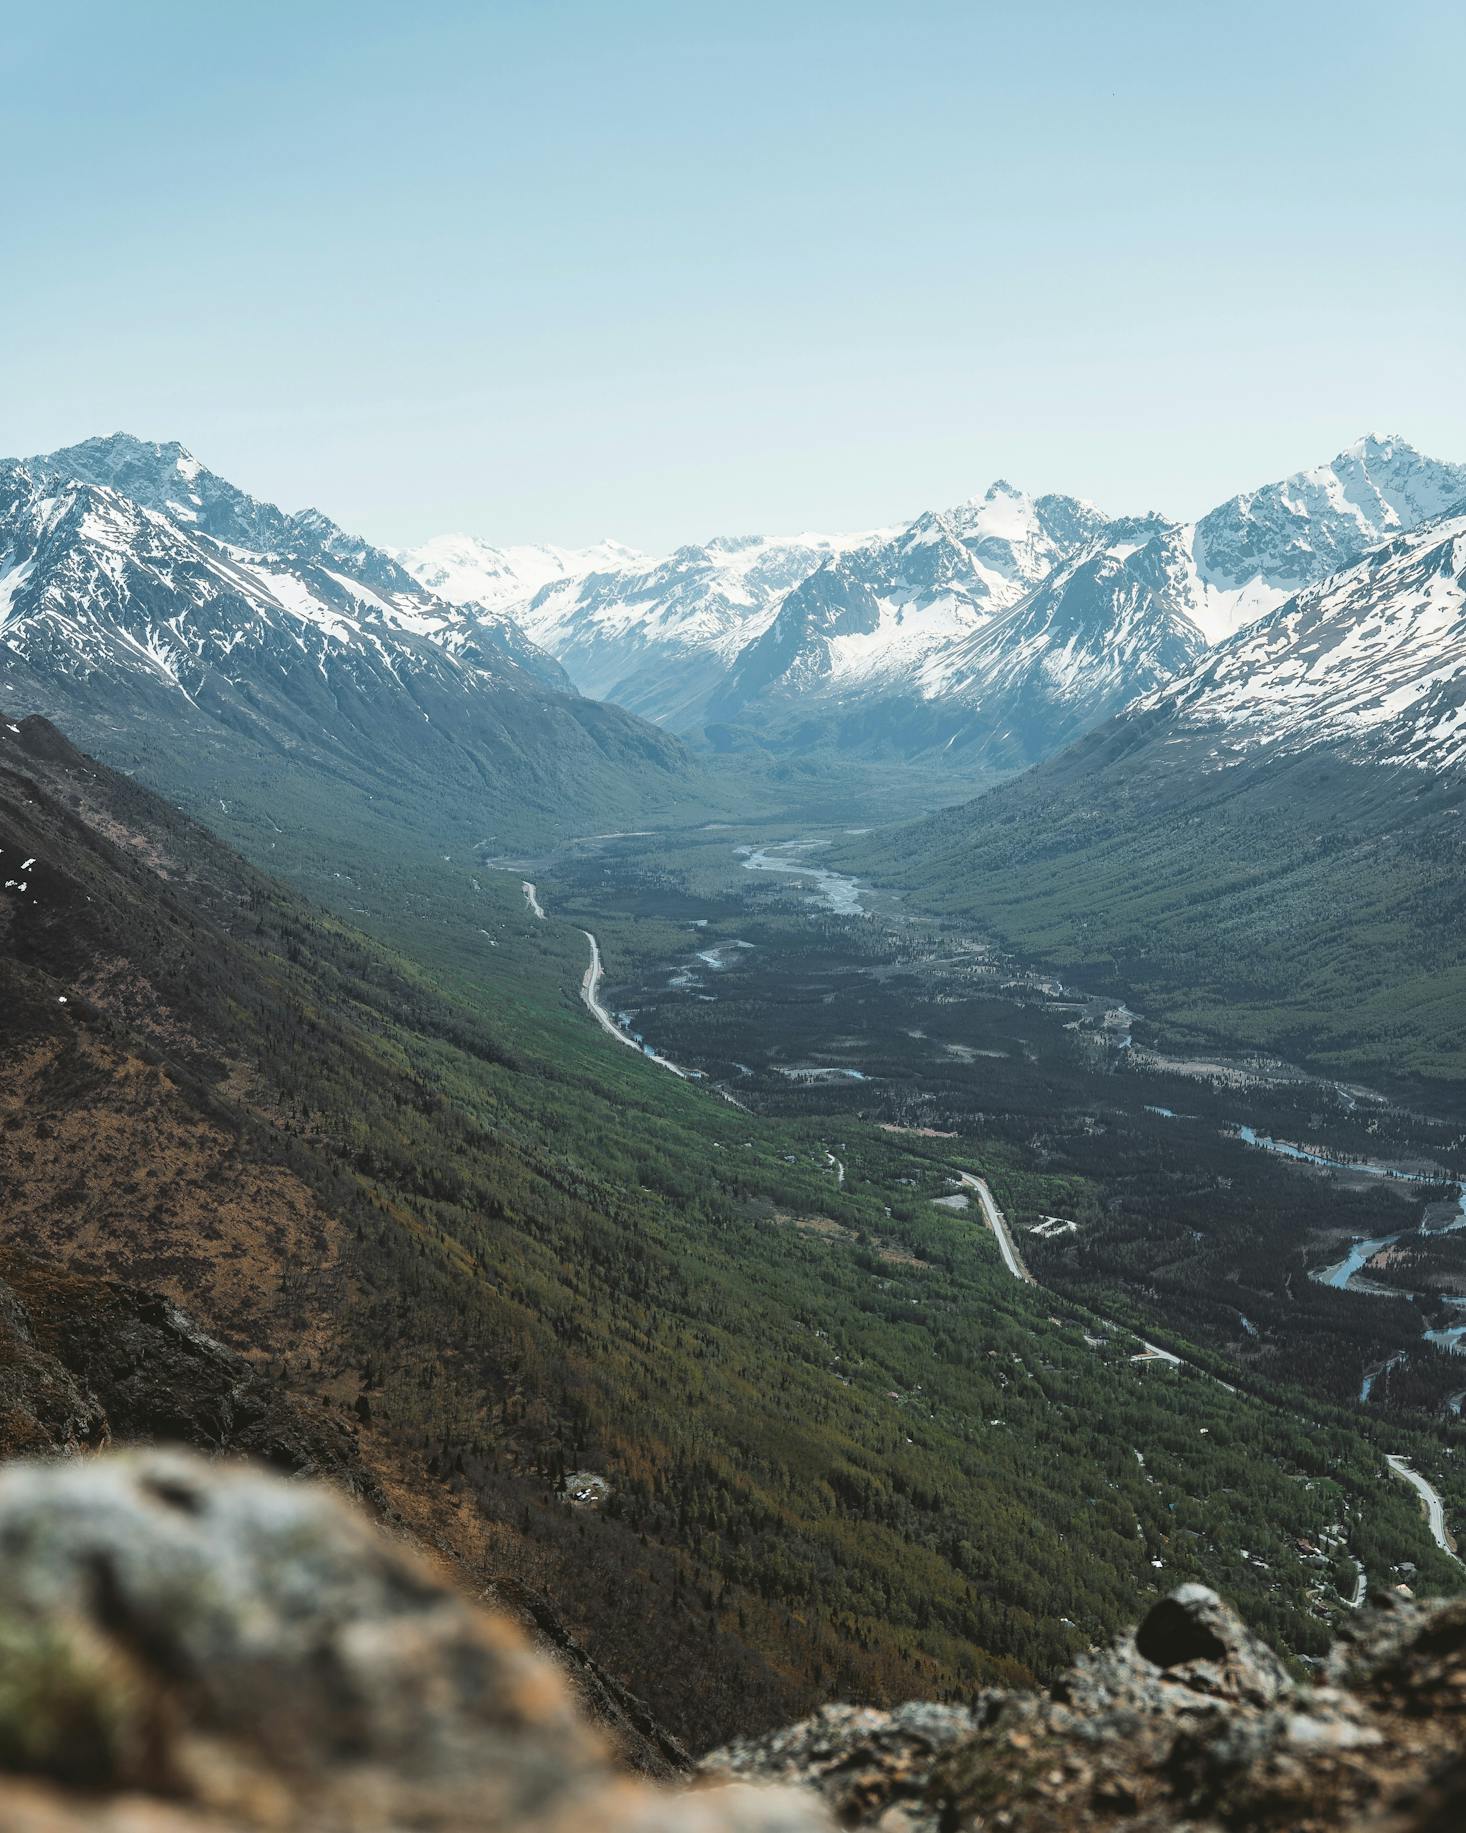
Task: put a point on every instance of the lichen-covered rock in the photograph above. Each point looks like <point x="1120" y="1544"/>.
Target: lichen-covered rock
<point x="1191" y="1649"/>
<point x="1191" y="1722"/>
<point x="205" y="1634"/>
<point x="191" y="1647"/>
<point x="1406" y="1656"/>
<point x="1190" y="1725"/>
<point x="872" y="1767"/>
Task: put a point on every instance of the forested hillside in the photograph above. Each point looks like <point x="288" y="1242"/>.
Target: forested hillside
<point x="507" y="1252"/>
<point x="1311" y="908"/>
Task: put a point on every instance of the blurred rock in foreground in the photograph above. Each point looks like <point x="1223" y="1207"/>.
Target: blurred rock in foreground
<point x="196" y="1647"/>
<point x="186" y="1644"/>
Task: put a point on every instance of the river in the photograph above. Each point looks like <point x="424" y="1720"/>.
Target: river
<point x="838" y="892"/>
<point x="1343" y="1274"/>
<point x="1363" y="1166"/>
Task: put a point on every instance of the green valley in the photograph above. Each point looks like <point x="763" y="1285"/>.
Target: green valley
<point x="845" y="1452"/>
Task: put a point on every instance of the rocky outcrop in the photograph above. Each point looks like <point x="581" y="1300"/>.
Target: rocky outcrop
<point x="192" y="1645"/>
<point x="1189" y="1723"/>
<point x="196" y="1647"/>
<point x="86" y="1361"/>
<point x="872" y="1768"/>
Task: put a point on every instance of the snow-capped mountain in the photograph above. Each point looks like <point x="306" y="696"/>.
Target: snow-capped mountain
<point x="468" y="571"/>
<point x="903" y="640"/>
<point x="1268" y="850"/>
<point x="1253" y="551"/>
<point x="1371" y="662"/>
<point x="877" y="620"/>
<point x="170" y="602"/>
<point x="343" y="572"/>
<point x="1091" y="612"/>
<point x="658" y="636"/>
<point x="694" y="638"/>
<point x="1000" y="544"/>
<point x="1077" y="648"/>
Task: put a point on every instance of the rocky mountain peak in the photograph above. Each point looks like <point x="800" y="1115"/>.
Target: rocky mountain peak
<point x="137" y="586"/>
<point x="1371" y="659"/>
<point x="165" y="477"/>
<point x="107" y="457"/>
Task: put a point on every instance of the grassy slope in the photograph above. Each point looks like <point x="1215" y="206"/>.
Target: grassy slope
<point x="1304" y="906"/>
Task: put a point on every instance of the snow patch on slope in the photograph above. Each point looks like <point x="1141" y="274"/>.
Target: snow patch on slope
<point x="1371" y="659"/>
<point x="467" y="570"/>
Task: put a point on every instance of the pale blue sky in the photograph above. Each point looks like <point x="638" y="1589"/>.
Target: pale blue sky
<point x="555" y="271"/>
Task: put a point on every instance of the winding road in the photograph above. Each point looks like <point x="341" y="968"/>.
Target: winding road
<point x="1430" y="1496"/>
<point x="590" y="992"/>
<point x="1435" y="1508"/>
<point x="998" y="1223"/>
<point x="590" y="989"/>
<point x="1013" y="1260"/>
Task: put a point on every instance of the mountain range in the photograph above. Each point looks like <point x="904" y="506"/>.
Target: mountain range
<point x="140" y="589"/>
<point x="167" y="617"/>
<point x="271" y="664"/>
<point x="1268" y="848"/>
<point x="990" y="634"/>
<point x="660" y="636"/>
